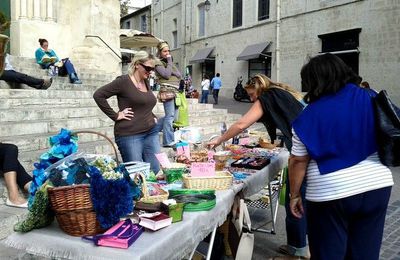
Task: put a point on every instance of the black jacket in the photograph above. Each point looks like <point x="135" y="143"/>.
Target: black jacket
<point x="280" y="109"/>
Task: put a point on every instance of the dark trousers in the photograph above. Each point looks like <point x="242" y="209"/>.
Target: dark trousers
<point x="348" y="228"/>
<point x="9" y="162"/>
<point x="13" y="76"/>
<point x="215" y="95"/>
<point x="296" y="228"/>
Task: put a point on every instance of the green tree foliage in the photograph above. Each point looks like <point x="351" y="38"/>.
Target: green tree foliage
<point x="123" y="7"/>
<point x="4" y="22"/>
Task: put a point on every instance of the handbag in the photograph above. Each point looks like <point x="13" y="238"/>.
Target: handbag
<point x="121" y="235"/>
<point x="166" y="95"/>
<point x="240" y="236"/>
<point x="387" y="125"/>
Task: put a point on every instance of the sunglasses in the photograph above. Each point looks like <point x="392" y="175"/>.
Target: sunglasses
<point x="147" y="68"/>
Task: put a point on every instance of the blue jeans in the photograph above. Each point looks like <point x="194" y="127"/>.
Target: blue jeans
<point x="204" y="96"/>
<point x="141" y="147"/>
<point x="170" y="111"/>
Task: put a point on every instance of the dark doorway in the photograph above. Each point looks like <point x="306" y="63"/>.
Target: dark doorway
<point x="208" y="68"/>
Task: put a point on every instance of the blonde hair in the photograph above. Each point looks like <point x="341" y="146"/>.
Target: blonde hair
<point x="139" y="58"/>
<point x="262" y="83"/>
<point x="160" y="47"/>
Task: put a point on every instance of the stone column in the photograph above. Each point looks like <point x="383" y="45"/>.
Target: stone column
<point x="36" y="10"/>
<point x="23" y="10"/>
<point x="49" y="10"/>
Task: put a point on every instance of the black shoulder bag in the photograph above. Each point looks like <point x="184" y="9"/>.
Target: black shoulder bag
<point x="387" y="129"/>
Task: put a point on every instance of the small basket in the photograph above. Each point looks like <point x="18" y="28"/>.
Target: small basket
<point x="79" y="222"/>
<point x="266" y="144"/>
<point x="222" y="181"/>
<point x="151" y="199"/>
<point x="199" y="156"/>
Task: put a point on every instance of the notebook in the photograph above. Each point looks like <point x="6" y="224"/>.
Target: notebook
<point x="155" y="221"/>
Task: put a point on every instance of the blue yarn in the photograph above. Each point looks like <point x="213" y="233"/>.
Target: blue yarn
<point x="111" y="199"/>
<point x="62" y="145"/>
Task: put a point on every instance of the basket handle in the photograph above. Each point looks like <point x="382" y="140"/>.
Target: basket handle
<point x="103" y="135"/>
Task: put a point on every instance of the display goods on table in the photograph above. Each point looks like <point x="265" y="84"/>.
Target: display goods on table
<point x="89" y="194"/>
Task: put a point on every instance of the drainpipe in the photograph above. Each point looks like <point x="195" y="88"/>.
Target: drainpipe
<point x="162" y="20"/>
<point x="277" y="50"/>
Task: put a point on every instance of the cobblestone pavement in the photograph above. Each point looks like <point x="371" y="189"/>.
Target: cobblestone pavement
<point x="390" y="249"/>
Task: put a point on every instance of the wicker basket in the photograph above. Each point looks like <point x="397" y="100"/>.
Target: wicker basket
<point x="265" y="144"/>
<point x="69" y="198"/>
<point x="73" y="205"/>
<point x="151" y="199"/>
<point x="79" y="222"/>
<point x="222" y="181"/>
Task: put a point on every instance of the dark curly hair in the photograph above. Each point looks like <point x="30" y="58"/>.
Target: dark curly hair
<point x="42" y="41"/>
<point x="326" y="74"/>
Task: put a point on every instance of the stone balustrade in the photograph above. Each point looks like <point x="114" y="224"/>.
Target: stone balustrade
<point x="42" y="10"/>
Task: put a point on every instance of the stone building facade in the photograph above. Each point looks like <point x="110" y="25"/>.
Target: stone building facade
<point x="65" y="24"/>
<point x="285" y="33"/>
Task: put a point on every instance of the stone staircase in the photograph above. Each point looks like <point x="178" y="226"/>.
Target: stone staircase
<point x="29" y="116"/>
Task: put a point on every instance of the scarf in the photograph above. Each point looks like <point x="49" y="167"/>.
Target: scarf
<point x="338" y="129"/>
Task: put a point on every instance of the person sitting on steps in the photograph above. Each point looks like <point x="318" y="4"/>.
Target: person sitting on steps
<point x="14" y="175"/>
<point x="12" y="76"/>
<point x="48" y="59"/>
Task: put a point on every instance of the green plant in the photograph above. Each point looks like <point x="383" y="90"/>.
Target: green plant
<point x="4" y="22"/>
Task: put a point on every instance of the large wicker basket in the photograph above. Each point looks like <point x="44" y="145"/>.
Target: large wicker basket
<point x="222" y="181"/>
<point x="73" y="205"/>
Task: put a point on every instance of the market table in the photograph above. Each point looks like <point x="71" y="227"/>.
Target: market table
<point x="172" y="242"/>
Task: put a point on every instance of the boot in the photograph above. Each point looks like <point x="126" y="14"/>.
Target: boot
<point x="74" y="79"/>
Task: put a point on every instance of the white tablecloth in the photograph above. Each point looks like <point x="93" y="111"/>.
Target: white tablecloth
<point x="173" y="242"/>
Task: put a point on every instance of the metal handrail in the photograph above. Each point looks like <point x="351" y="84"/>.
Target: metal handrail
<point x="95" y="36"/>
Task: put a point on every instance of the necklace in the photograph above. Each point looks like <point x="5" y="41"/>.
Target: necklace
<point x="138" y="84"/>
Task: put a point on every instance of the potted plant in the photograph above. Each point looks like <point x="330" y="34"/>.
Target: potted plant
<point x="4" y="25"/>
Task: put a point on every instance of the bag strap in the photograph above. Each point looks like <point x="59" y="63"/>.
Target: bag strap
<point x="245" y="216"/>
<point x="95" y="239"/>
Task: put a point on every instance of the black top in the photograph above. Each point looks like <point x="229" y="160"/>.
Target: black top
<point x="280" y="110"/>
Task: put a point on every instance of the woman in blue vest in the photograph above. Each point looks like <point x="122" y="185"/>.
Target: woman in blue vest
<point x="334" y="147"/>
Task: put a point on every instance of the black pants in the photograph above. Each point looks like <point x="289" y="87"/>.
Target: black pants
<point x="215" y="95"/>
<point x="13" y="76"/>
<point x="9" y="162"/>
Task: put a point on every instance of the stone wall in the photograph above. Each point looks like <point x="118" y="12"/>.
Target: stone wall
<point x="65" y="24"/>
<point x="301" y="23"/>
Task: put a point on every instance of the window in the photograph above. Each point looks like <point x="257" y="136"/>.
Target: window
<point x="202" y="22"/>
<point x="237" y="13"/>
<point x="143" y="23"/>
<point x="263" y="9"/>
<point x="128" y="25"/>
<point x="175" y="39"/>
<point x="343" y="44"/>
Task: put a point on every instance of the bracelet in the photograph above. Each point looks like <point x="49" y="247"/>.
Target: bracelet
<point x="291" y="197"/>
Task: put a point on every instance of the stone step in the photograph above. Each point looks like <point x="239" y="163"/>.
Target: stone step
<point x="56" y="113"/>
<point x="44" y="126"/>
<point x="60" y="102"/>
<point x="54" y="86"/>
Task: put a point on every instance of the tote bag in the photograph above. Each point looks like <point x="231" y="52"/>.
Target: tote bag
<point x="240" y="236"/>
<point x="387" y="125"/>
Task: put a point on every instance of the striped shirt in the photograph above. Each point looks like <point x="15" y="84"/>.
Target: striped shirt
<point x="367" y="175"/>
